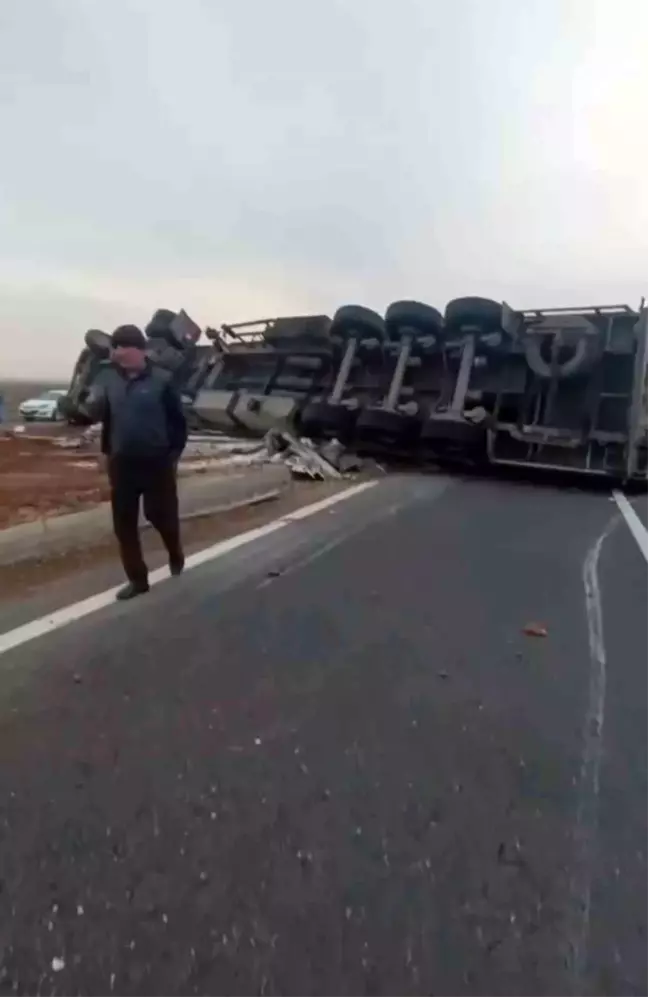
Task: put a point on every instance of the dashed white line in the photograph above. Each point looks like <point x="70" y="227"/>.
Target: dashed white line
<point x="589" y="777"/>
<point x="70" y="614"/>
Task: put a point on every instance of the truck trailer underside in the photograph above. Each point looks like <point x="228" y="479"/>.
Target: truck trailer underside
<point x="479" y="385"/>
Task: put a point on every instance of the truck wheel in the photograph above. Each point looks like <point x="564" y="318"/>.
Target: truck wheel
<point x="379" y="422"/>
<point x="355" y="320"/>
<point x="577" y="356"/>
<point x="412" y="316"/>
<point x="480" y="312"/>
<point x="165" y="355"/>
<point x="161" y="320"/>
<point x="160" y="327"/>
<point x="99" y="343"/>
<point x="321" y="419"/>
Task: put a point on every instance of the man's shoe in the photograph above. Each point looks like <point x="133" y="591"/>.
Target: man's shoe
<point x="176" y="567"/>
<point x="132" y="589"/>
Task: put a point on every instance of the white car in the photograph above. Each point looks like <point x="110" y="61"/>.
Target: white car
<point x="42" y="409"/>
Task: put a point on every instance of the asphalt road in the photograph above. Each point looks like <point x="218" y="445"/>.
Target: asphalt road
<point x="332" y="762"/>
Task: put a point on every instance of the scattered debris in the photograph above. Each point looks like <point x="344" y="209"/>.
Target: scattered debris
<point x="535" y="630"/>
<point x="303" y="458"/>
<point x="58" y="964"/>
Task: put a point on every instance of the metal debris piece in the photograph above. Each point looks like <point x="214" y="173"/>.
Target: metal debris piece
<point x="535" y="630"/>
<point x="301" y="456"/>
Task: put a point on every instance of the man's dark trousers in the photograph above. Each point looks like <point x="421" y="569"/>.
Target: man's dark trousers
<point x="152" y="479"/>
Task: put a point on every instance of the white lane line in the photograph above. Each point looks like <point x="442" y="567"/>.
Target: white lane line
<point x="587" y="815"/>
<point x="69" y="614"/>
<point x="636" y="527"/>
<point x="586" y="829"/>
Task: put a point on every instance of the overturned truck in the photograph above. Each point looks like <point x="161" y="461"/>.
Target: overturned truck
<point x="479" y="384"/>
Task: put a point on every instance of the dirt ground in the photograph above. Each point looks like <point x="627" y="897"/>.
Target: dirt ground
<point x="38" y="479"/>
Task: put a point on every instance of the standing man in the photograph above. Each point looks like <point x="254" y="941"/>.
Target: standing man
<point x="144" y="432"/>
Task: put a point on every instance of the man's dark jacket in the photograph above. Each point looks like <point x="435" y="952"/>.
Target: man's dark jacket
<point x="141" y="415"/>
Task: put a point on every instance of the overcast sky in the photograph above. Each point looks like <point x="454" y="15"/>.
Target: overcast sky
<point x="243" y="158"/>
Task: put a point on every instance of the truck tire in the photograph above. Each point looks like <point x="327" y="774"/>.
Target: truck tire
<point x="378" y="422"/>
<point x="67" y="409"/>
<point x="99" y="343"/>
<point x="81" y="368"/>
<point x="580" y="354"/>
<point x="165" y="355"/>
<point x="483" y="313"/>
<point x="160" y="327"/>
<point x="413" y="316"/>
<point x="321" y="419"/>
<point x="161" y="319"/>
<point x="355" y="320"/>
